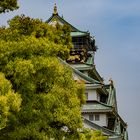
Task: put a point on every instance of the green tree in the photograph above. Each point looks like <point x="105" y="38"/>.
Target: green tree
<point x="88" y="134"/>
<point x="51" y="100"/>
<point x="8" y="5"/>
<point x="9" y="102"/>
<point x="97" y="135"/>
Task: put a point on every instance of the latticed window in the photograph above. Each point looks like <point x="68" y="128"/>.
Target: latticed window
<point x="94" y="117"/>
<point x="91" y="117"/>
<point x="79" y="42"/>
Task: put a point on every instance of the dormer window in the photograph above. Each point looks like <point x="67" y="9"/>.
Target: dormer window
<point x="97" y="117"/>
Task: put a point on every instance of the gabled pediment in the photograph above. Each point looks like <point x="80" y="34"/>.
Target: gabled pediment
<point x="56" y="19"/>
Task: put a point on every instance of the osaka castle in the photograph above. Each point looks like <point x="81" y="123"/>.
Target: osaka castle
<point x="100" y="111"/>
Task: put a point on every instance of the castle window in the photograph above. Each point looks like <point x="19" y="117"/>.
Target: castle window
<point x="103" y="98"/>
<point x="91" y="117"/>
<point x="97" y="117"/>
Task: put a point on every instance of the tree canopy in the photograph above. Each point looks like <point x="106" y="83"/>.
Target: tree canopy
<point x="51" y="99"/>
<point x="39" y="99"/>
<point x="8" y="5"/>
<point x="88" y="134"/>
<point x="9" y="101"/>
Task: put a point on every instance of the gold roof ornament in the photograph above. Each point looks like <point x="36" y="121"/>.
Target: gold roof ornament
<point x="111" y="81"/>
<point x="55" y="10"/>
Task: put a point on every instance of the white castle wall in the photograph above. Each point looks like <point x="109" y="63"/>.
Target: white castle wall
<point x="92" y="94"/>
<point x="102" y="121"/>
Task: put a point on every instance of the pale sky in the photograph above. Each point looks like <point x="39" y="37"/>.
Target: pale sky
<point x="116" y="27"/>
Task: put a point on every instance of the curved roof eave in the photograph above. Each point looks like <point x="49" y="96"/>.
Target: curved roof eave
<point x="82" y="75"/>
<point x="62" y="20"/>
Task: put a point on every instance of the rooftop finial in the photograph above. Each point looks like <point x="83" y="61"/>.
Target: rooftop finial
<point x="111" y="81"/>
<point x="55" y="10"/>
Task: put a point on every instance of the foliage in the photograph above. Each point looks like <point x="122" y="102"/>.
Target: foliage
<point x="22" y="27"/>
<point x="88" y="134"/>
<point x="51" y="100"/>
<point x="8" y="5"/>
<point x="9" y="101"/>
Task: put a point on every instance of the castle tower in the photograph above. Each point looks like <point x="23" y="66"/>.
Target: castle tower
<point x="100" y="111"/>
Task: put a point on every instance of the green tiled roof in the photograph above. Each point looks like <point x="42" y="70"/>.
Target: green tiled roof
<point x="96" y="107"/>
<point x="82" y="75"/>
<point x="75" y="31"/>
<point x="82" y="66"/>
<point x="75" y="34"/>
<point x="112" y="98"/>
<point x="112" y="135"/>
<point x="115" y="138"/>
<point x="85" y="66"/>
<point x="97" y="127"/>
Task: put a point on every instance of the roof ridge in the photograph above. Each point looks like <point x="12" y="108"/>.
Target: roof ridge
<point x="62" y="19"/>
<point x="95" y="101"/>
<point x="104" y="104"/>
